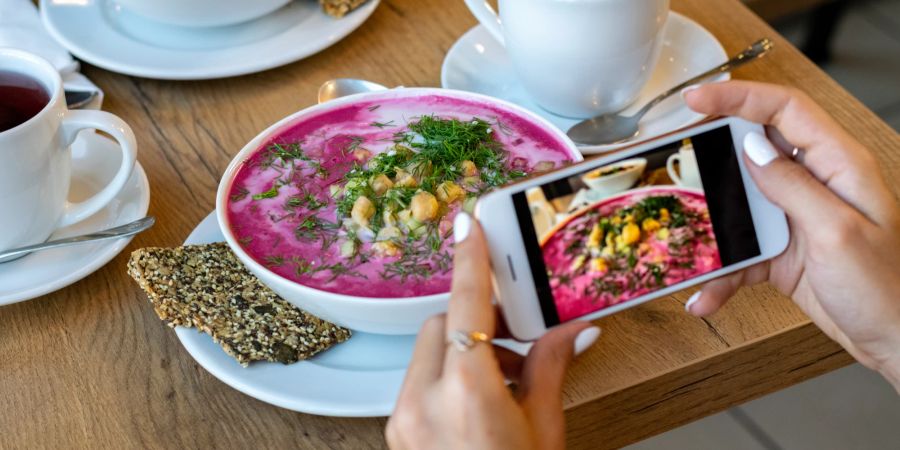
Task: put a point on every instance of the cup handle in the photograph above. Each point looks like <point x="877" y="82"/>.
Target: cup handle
<point x="484" y="12"/>
<point x="75" y="121"/>
<point x="670" y="167"/>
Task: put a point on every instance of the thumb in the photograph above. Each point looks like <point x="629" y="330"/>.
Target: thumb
<point x="807" y="202"/>
<point x="543" y="374"/>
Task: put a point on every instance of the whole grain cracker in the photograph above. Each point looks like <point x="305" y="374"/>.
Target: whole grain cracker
<point x="340" y="8"/>
<point x="207" y="287"/>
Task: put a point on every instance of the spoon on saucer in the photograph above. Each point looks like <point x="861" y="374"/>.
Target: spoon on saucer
<point x="342" y="87"/>
<point x="612" y="128"/>
<point x="117" y="232"/>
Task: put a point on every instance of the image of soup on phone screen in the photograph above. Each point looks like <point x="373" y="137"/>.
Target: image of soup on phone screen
<point x="610" y="233"/>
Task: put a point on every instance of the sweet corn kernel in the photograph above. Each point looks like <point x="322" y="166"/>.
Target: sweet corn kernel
<point x="595" y="237"/>
<point x="631" y="234"/>
<point x="649" y="225"/>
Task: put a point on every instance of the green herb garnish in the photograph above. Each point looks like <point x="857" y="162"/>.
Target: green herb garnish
<point x="271" y="193"/>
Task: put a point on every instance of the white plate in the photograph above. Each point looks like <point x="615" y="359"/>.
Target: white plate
<point x="358" y="378"/>
<point x="95" y="160"/>
<point x="478" y="63"/>
<point x="102" y="33"/>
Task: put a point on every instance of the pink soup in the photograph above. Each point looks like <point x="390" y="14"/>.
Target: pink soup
<point x="360" y="200"/>
<point x="628" y="246"/>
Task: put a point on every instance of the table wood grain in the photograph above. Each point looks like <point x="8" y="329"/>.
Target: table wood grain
<point x="92" y="366"/>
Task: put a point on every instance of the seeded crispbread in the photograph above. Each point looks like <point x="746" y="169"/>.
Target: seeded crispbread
<point x="207" y="287"/>
<point x="340" y="8"/>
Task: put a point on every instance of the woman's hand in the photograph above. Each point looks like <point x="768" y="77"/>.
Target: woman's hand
<point x="842" y="266"/>
<point x="459" y="399"/>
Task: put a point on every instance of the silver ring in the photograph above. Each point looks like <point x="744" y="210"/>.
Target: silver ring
<point x="464" y="340"/>
<point x="797" y="154"/>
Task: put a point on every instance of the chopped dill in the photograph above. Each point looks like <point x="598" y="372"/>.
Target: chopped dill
<point x="274" y="261"/>
<point x="271" y="193"/>
<point x="241" y="194"/>
<point x="382" y="124"/>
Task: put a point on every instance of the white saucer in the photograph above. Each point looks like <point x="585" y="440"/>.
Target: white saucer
<point x="358" y="378"/>
<point x="102" y="33"/>
<point x="478" y="63"/>
<point x="95" y="160"/>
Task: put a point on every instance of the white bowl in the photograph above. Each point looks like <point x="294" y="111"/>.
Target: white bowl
<point x="372" y="315"/>
<point x="619" y="181"/>
<point x="202" y="13"/>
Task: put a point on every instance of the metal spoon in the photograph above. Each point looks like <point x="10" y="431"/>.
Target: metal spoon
<point x="79" y="99"/>
<point x="121" y="231"/>
<point x="341" y="87"/>
<point x="611" y="128"/>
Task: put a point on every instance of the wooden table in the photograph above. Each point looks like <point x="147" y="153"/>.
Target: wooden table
<point x="91" y="365"/>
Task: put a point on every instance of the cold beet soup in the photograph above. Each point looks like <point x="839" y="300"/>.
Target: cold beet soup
<point x="360" y="200"/>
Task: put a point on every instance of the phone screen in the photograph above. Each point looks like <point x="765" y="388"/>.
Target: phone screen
<point x="624" y="230"/>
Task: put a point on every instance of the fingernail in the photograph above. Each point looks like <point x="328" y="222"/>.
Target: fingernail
<point x="689" y="89"/>
<point x="462" y="224"/>
<point x="585" y="339"/>
<point x="691" y="301"/>
<point x="759" y="149"/>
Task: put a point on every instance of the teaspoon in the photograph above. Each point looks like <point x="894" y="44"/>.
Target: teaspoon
<point x="121" y="231"/>
<point x="342" y="87"/>
<point x="612" y="128"/>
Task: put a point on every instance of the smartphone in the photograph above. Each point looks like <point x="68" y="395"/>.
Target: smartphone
<point x="607" y="234"/>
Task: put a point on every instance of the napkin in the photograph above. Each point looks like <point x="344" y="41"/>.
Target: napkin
<point x="21" y="28"/>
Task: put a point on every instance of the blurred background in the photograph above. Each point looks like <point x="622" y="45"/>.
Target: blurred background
<point x="857" y="42"/>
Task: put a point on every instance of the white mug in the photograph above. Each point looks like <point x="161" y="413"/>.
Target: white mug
<point x="35" y="161"/>
<point x="543" y="215"/>
<point x="688" y="174"/>
<point x="579" y="58"/>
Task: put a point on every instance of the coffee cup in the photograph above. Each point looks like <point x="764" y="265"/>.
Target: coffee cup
<point x="579" y="58"/>
<point x="202" y="13"/>
<point x="36" y="132"/>
<point x="688" y="173"/>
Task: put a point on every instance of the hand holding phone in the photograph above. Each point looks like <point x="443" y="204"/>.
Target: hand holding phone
<point x="841" y="265"/>
<point x="628" y="228"/>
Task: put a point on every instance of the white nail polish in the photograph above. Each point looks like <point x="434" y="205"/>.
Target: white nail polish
<point x="691" y="301"/>
<point x="585" y="339"/>
<point x="759" y="149"/>
<point x="689" y="89"/>
<point x="461" y="227"/>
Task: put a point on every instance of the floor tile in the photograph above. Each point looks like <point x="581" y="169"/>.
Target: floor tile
<point x="720" y="431"/>
<point x="851" y="408"/>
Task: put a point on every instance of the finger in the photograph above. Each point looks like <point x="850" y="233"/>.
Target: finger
<point x="427" y="361"/>
<point x="833" y="156"/>
<point x="714" y="294"/>
<point x="511" y="363"/>
<point x="808" y="203"/>
<point x="802" y="121"/>
<point x="470" y="307"/>
<point x="543" y="374"/>
<point x="501" y="331"/>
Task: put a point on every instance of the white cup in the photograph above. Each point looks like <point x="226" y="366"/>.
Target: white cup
<point x="202" y="13"/>
<point x="688" y="174"/>
<point x="542" y="213"/>
<point x="579" y="58"/>
<point x="35" y="161"/>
